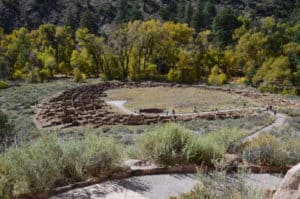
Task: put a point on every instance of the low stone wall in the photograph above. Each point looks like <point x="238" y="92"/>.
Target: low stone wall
<point x="85" y="106"/>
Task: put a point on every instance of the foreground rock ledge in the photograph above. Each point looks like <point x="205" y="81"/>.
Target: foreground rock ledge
<point x="290" y="186"/>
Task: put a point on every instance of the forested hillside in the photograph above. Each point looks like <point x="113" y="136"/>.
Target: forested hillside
<point x="98" y="14"/>
<point x="201" y="41"/>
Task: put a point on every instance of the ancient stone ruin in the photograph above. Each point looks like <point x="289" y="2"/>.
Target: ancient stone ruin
<point x="85" y="106"/>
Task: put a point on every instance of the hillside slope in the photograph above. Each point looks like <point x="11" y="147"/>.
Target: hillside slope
<point x="98" y="13"/>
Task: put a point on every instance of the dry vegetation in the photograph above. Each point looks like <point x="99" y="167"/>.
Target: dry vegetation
<point x="181" y="99"/>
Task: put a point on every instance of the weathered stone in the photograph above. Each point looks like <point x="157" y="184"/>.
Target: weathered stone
<point x="290" y="185"/>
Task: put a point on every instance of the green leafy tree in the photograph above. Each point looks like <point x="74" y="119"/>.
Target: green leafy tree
<point x="274" y="72"/>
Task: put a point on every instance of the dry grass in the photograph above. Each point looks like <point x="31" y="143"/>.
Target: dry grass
<point x="181" y="99"/>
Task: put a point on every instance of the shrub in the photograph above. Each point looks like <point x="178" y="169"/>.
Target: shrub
<point x="265" y="150"/>
<point x="217" y="77"/>
<point x="173" y="144"/>
<point x="174" y="75"/>
<point x="6" y="130"/>
<point x="18" y="75"/>
<point x="38" y="166"/>
<point x="44" y="75"/>
<point x="291" y="91"/>
<point x="3" y="85"/>
<point x="241" y="80"/>
<point x="292" y="146"/>
<point x="217" y="184"/>
<point x="30" y="169"/>
<point x="79" y="76"/>
<point x="203" y="150"/>
<point x="94" y="153"/>
<point x="166" y="144"/>
<point x="33" y="76"/>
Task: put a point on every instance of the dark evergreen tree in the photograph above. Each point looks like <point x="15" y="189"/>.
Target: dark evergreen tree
<point x="168" y="11"/>
<point x="122" y="11"/>
<point x="198" y="18"/>
<point x="209" y="12"/>
<point x="180" y="10"/>
<point x="135" y="13"/>
<point x="87" y="20"/>
<point x="223" y="26"/>
<point x="188" y="13"/>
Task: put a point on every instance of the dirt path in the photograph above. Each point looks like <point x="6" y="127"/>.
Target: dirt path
<point x="119" y="104"/>
<point x="279" y="121"/>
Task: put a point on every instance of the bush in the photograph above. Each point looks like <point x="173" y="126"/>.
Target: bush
<point x="218" y="185"/>
<point x="39" y="166"/>
<point x="292" y="146"/>
<point x="18" y="75"/>
<point x="217" y="77"/>
<point x="205" y="148"/>
<point x="31" y="169"/>
<point x="266" y="150"/>
<point x="173" y="144"/>
<point x="79" y="76"/>
<point x="291" y="91"/>
<point x="166" y="144"/>
<point x="33" y="76"/>
<point x="44" y="75"/>
<point x="3" y="85"/>
<point x="97" y="154"/>
<point x="174" y="75"/>
<point x="6" y="131"/>
<point x="241" y="80"/>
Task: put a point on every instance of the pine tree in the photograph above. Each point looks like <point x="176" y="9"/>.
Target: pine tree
<point x="188" y="13"/>
<point x="198" y="18"/>
<point x="181" y="10"/>
<point x="87" y="20"/>
<point x="122" y="11"/>
<point x="209" y="12"/>
<point x="135" y="13"/>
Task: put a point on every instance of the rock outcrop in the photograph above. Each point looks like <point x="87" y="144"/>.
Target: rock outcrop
<point x="290" y="185"/>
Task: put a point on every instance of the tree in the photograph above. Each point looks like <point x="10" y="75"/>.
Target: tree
<point x="209" y="12"/>
<point x="135" y="13"/>
<point x="188" y="13"/>
<point x="17" y="50"/>
<point x="88" y="20"/>
<point x="198" y="18"/>
<point x="224" y="25"/>
<point x="275" y="71"/>
<point x="92" y="48"/>
<point x="122" y="11"/>
<point x="217" y="77"/>
<point x="181" y="4"/>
